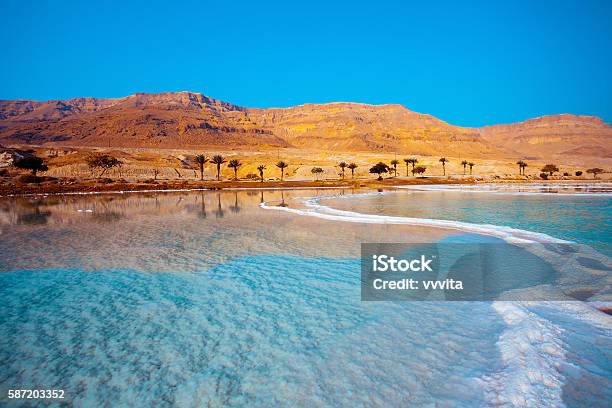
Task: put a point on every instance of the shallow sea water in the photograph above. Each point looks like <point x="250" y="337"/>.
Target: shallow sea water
<point x="206" y="298"/>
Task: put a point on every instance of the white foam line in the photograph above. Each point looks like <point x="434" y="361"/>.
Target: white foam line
<point x="480" y="189"/>
<point x="508" y="234"/>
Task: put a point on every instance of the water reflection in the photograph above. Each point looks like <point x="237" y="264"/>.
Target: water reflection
<point x="283" y="203"/>
<point x="114" y="207"/>
<point x="235" y="208"/>
<point x="37" y="217"/>
<point x="202" y="213"/>
<point x="219" y="213"/>
<point x="107" y="217"/>
<point x="178" y="231"/>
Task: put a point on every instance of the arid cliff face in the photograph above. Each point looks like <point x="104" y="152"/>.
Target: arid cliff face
<point x="187" y="119"/>
<point x="557" y="135"/>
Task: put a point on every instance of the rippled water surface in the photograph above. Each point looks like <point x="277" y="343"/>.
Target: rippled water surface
<point x="580" y="214"/>
<point x="205" y="298"/>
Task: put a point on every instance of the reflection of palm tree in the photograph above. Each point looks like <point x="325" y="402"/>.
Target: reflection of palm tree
<point x="261" y="201"/>
<point x="283" y="203"/>
<point x="202" y="213"/>
<point x="235" y="208"/>
<point x="219" y="212"/>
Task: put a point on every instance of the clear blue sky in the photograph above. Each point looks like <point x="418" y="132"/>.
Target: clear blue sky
<point x="470" y="63"/>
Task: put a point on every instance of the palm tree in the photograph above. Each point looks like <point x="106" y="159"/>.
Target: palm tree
<point x="261" y="169"/>
<point x="234" y="164"/>
<point x="218" y="160"/>
<point x="394" y="163"/>
<point x="443" y="161"/>
<point x="412" y="161"/>
<point x="464" y="163"/>
<point x="471" y="165"/>
<point x="342" y="166"/>
<point x="282" y="165"/>
<point x="523" y="165"/>
<point x="520" y="164"/>
<point x="352" y="166"/>
<point x="201" y="160"/>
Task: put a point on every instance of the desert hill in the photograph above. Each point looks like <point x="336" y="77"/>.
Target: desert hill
<point x="557" y="135"/>
<point x="190" y="120"/>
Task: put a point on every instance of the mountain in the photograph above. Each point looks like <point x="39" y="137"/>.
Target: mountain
<point x="554" y="135"/>
<point x="188" y="119"/>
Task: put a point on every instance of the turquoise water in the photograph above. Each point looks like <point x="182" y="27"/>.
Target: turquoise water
<point x="582" y="219"/>
<point x="195" y="299"/>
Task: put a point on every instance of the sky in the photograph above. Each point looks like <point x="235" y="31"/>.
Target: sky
<point x="470" y="63"/>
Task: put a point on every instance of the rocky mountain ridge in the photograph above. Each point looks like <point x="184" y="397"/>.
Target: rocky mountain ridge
<point x="192" y="120"/>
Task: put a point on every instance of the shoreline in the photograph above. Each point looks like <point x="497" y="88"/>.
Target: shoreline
<point x="63" y="186"/>
<point x="92" y="186"/>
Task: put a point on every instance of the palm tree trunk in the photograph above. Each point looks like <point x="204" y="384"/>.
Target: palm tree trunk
<point x="201" y="171"/>
<point x="218" y="171"/>
<point x="282" y="174"/>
